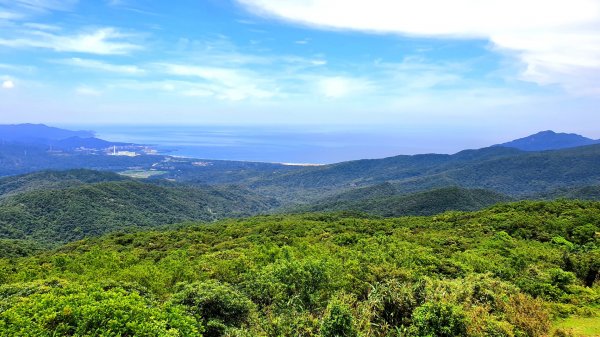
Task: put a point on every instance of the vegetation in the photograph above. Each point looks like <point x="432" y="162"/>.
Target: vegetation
<point x="581" y="193"/>
<point x="508" y="171"/>
<point x="503" y="170"/>
<point x="383" y="200"/>
<point x="53" y="216"/>
<point x="45" y="180"/>
<point x="510" y="270"/>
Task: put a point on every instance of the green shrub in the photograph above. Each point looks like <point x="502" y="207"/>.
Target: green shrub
<point x="584" y="234"/>
<point x="338" y="320"/>
<point x="79" y="311"/>
<point x="217" y="305"/>
<point x="392" y="303"/>
<point x="436" y="319"/>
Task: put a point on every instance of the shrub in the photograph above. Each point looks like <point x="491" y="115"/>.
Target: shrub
<point x="438" y="320"/>
<point x="529" y="316"/>
<point x="563" y="333"/>
<point x="338" y="320"/>
<point x="215" y="304"/>
<point x="78" y="311"/>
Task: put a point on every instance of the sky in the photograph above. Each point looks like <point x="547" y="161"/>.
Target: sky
<point x="493" y="69"/>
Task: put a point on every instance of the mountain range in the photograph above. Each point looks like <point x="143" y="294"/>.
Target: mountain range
<point x="83" y="195"/>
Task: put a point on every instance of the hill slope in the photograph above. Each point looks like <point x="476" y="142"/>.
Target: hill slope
<point x="371" y="200"/>
<point x="53" y="180"/>
<point x="504" y="170"/>
<point x="580" y="193"/>
<point x="55" y="216"/>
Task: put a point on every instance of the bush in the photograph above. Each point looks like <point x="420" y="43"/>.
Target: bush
<point x="438" y="320"/>
<point x="563" y="333"/>
<point x="77" y="311"/>
<point x="584" y="234"/>
<point x="392" y="303"/>
<point x="338" y="320"/>
<point x="215" y="304"/>
<point x="529" y="316"/>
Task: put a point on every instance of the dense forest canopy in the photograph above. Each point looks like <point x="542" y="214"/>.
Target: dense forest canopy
<point x="510" y="270"/>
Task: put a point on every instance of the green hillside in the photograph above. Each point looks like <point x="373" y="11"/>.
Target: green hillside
<point x="520" y="269"/>
<point x="581" y="193"/>
<point x="53" y="216"/>
<point x="504" y="170"/>
<point x="53" y="180"/>
<point x="384" y="200"/>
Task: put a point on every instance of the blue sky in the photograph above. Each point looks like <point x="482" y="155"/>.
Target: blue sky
<point x="496" y="68"/>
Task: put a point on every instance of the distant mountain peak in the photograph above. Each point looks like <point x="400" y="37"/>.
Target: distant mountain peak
<point x="549" y="140"/>
<point x="35" y="132"/>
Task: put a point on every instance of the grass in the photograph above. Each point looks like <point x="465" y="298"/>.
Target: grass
<point x="141" y="174"/>
<point x="581" y="326"/>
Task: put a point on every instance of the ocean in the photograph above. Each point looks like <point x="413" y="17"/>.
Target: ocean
<point x="282" y="144"/>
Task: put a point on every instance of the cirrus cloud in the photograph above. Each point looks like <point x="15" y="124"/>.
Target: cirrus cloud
<point x="556" y="40"/>
<point x="102" y="66"/>
<point x="103" y="41"/>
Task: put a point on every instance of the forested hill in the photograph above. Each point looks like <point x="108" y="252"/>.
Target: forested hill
<point x="577" y="192"/>
<point x="501" y="169"/>
<point x="53" y="216"/>
<point x="54" y="180"/>
<point x="525" y="269"/>
<point x="504" y="170"/>
<point x="384" y="200"/>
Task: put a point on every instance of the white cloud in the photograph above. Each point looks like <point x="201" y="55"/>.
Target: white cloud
<point x="40" y="5"/>
<point x="223" y="83"/>
<point x="338" y="87"/>
<point x="103" y="66"/>
<point x="6" y="15"/>
<point x="8" y="84"/>
<point x="104" y="41"/>
<point x="557" y="40"/>
<point x="87" y="91"/>
<point x="17" y="68"/>
<point x="41" y="26"/>
<point x="15" y="10"/>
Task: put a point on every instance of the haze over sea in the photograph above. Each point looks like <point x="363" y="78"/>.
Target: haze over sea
<point x="287" y="144"/>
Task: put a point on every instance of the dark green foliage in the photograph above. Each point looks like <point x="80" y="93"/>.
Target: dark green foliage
<point x="215" y="304"/>
<point x="375" y="201"/>
<point x="581" y="193"/>
<point x="17" y="248"/>
<point x="504" y="170"/>
<point x="45" y="180"/>
<point x="52" y="216"/>
<point x="338" y="320"/>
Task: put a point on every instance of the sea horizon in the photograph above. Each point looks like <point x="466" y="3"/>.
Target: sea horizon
<point x="306" y="145"/>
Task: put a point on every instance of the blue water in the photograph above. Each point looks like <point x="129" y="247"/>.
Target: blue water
<point x="308" y="144"/>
